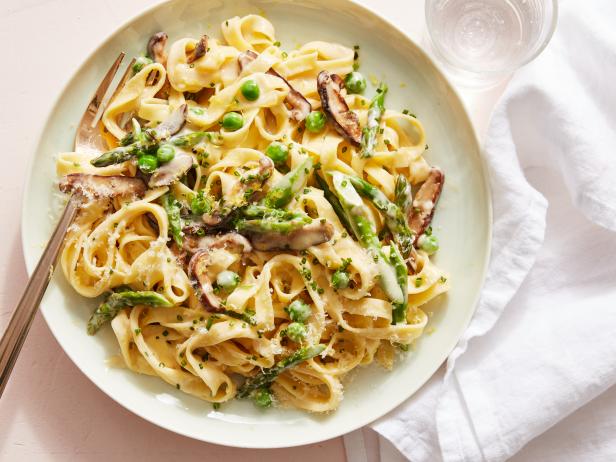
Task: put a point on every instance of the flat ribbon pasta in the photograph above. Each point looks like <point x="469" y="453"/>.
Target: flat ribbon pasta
<point x="125" y="243"/>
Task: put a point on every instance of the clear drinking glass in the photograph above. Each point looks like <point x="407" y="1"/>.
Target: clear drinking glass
<point x="481" y="42"/>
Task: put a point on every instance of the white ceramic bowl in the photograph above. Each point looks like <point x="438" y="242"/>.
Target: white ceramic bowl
<point x="463" y="222"/>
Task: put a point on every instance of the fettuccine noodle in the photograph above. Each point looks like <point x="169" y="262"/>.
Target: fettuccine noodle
<point x="124" y="242"/>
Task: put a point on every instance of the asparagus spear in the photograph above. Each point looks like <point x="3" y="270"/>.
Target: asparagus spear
<point x="402" y="193"/>
<point x="187" y="141"/>
<point x="172" y="207"/>
<point x="261" y="211"/>
<point x="394" y="217"/>
<point x="118" y="300"/>
<point x="129" y="138"/>
<point x="134" y="143"/>
<point x="120" y="154"/>
<point x="398" y="314"/>
<point x="364" y="231"/>
<point x="140" y="143"/>
<point x="335" y="203"/>
<point x="267" y="376"/>
<point x="282" y="192"/>
<point x="264" y="225"/>
<point x="375" y="112"/>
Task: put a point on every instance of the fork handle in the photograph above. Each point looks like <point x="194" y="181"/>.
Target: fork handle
<point x="19" y="325"/>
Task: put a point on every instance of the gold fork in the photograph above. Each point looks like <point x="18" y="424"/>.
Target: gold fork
<point x="87" y="139"/>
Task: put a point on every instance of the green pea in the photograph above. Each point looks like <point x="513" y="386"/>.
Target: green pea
<point x="298" y="311"/>
<point x="250" y="90"/>
<point x="147" y="163"/>
<point x="355" y="82"/>
<point x="428" y="243"/>
<point x="340" y="279"/>
<point x="315" y="121"/>
<point x="165" y="153"/>
<point x="278" y="152"/>
<point x="296" y="331"/>
<point x="232" y="121"/>
<point x="262" y="397"/>
<point x="200" y="204"/>
<point x="227" y="280"/>
<point x="140" y="63"/>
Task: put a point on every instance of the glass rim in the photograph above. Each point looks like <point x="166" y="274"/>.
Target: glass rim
<point x="512" y="68"/>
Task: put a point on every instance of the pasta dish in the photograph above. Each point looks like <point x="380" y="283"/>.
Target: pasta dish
<point x="270" y="231"/>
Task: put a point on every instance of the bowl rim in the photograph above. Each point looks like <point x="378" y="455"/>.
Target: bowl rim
<point x="30" y="263"/>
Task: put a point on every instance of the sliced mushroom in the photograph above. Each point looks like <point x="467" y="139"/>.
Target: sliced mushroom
<point x="295" y="101"/>
<point x="201" y="260"/>
<point x="425" y="201"/>
<point x="171" y="171"/>
<point x="208" y="223"/>
<point x="300" y="239"/>
<point x="298" y="105"/>
<point x="198" y="51"/>
<point x="221" y="218"/>
<point x="245" y="58"/>
<point x="227" y="240"/>
<point x="98" y="186"/>
<point x="214" y="218"/>
<point x="343" y="119"/>
<point x="197" y="268"/>
<point x="192" y="243"/>
<point x="156" y="51"/>
<point x="337" y="80"/>
<point x="156" y="47"/>
<point x="172" y="124"/>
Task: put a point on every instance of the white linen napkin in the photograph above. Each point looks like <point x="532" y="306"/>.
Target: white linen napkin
<point x="542" y="342"/>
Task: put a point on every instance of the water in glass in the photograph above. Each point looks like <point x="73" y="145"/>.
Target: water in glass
<point x="488" y="39"/>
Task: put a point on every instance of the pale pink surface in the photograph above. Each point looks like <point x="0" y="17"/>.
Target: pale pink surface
<point x="50" y="410"/>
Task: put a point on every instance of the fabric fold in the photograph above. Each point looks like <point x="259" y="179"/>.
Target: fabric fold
<point x="541" y="343"/>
